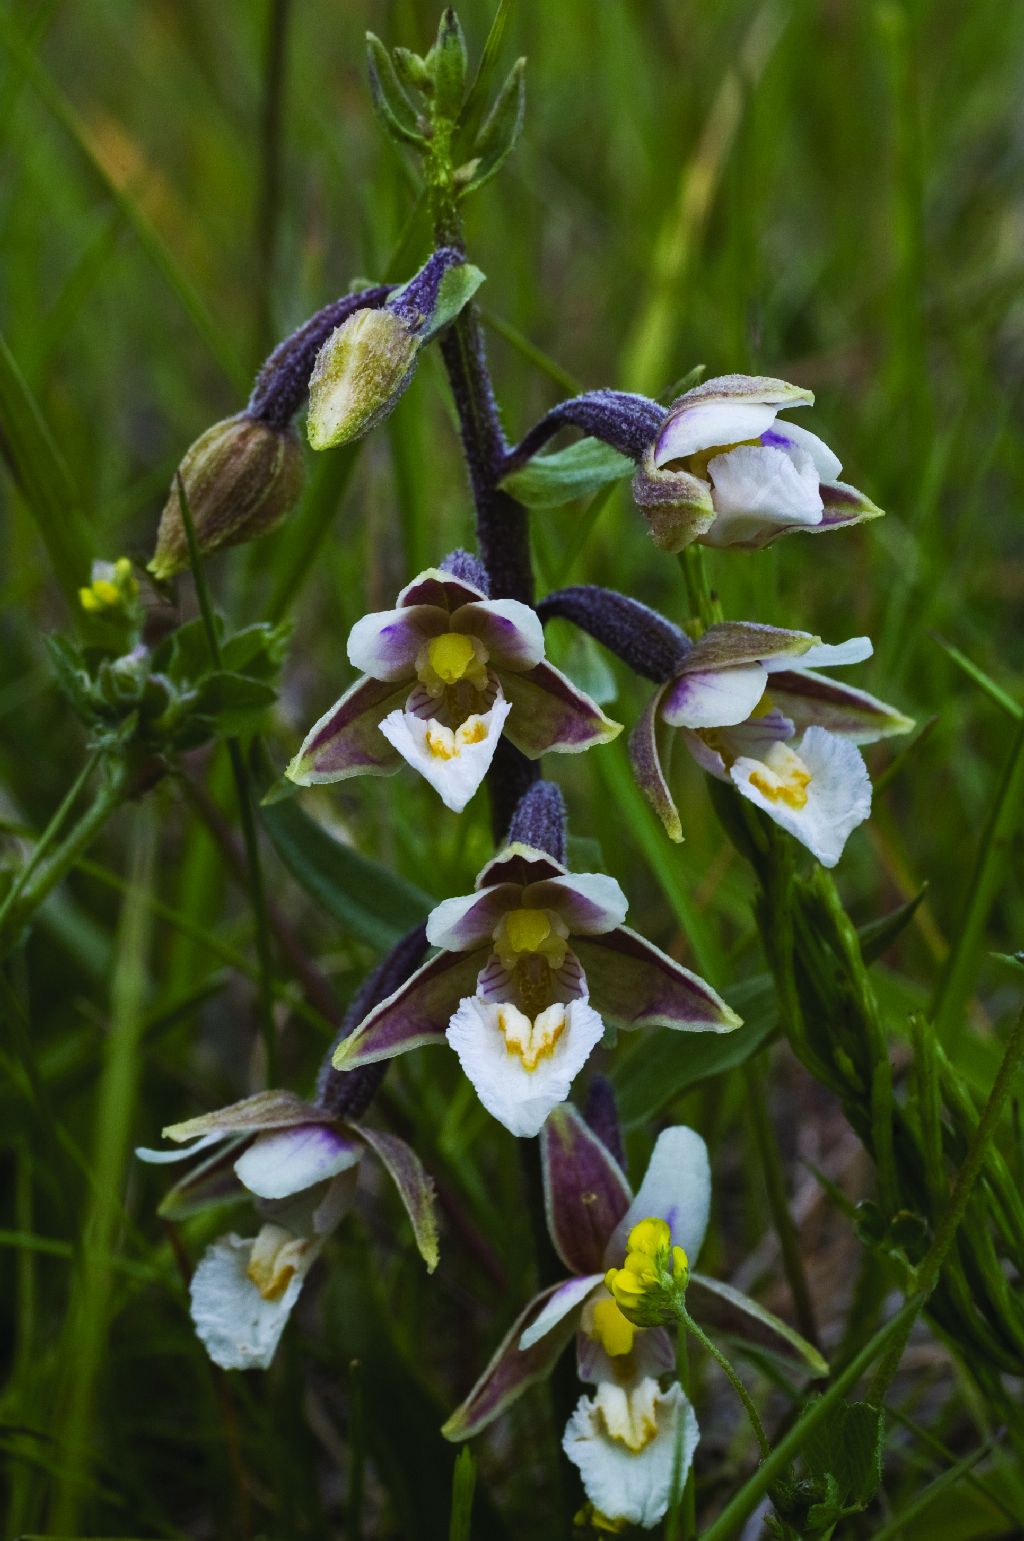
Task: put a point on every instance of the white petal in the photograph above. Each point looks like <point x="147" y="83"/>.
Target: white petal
<point x="757" y="488"/>
<point x="838" y="794"/>
<point x="825" y="656"/>
<point x="160" y="1157"/>
<point x="787" y="435"/>
<point x="590" y="903"/>
<point x="622" y="1483"/>
<point x="385" y="643"/>
<point x="457" y="778"/>
<point x="571" y="1295"/>
<point x="459" y="924"/>
<point x="676" y="1188"/>
<point x="708" y="424"/>
<point x="238" y="1328"/>
<point x="714" y="698"/>
<point x="286" y="1161"/>
<point x="521" y="1099"/>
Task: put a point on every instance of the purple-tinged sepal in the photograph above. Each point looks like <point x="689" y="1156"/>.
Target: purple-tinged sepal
<point x="585" y="1191"/>
<point x="645" y="758"/>
<point x="634" y="984"/>
<point x="415" y="1187"/>
<point x="513" y="1369"/>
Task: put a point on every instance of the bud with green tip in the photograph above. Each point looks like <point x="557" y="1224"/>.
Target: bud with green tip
<point x="365" y="365"/>
<point x="241" y="477"/>
<point x="650" y="1286"/>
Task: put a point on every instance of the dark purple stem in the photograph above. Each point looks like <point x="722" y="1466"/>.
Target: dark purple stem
<point x="283" y="382"/>
<point x="627" y="422"/>
<point x="648" y="643"/>
<point x="348" y="1094"/>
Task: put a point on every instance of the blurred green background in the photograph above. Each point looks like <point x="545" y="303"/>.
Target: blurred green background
<point x="825" y="190"/>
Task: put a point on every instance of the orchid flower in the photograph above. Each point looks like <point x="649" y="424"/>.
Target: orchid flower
<point x="529" y="964"/>
<point x="753" y="710"/>
<point x="300" y="1164"/>
<point x="724" y="471"/>
<point x="444" y="674"/>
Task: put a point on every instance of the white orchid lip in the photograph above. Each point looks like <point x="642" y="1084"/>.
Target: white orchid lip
<point x="454" y="761"/>
<point x="630" y="1444"/>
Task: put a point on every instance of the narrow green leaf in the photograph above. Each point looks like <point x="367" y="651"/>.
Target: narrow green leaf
<point x="808" y="1353"/>
<point x="475" y="105"/>
<point x="374" y="904"/>
<point x="42" y="477"/>
<point x="500" y="133"/>
<point x="393" y="107"/>
<point x="549" y="481"/>
<point x="463" y="1483"/>
<point x="984" y="681"/>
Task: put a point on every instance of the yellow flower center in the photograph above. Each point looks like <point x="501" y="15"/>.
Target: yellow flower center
<point x="531" y="1039"/>
<point x="610" y="1328"/>
<point x="523" y="934"/>
<point x="782" y="777"/>
<point x="275" y="1259"/>
<point x="630" y="1417"/>
<point x="451" y="660"/>
<point x="448" y="743"/>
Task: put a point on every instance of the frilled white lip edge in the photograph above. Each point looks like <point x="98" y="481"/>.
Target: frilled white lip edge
<point x="838" y="793"/>
<point x="519" y="1098"/>
<point x="460" y="760"/>
<point x="239" y="1329"/>
<point x="625" y="1483"/>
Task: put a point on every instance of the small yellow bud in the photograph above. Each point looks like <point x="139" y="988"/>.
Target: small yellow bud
<point x="680" y="1266"/>
<point x="241" y="478"/>
<point x="89" y="601"/>
<point x="650" y="1236"/>
<point x="648" y="1286"/>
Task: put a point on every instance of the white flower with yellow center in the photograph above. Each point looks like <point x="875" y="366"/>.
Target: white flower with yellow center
<point x="530" y="963"/>
<point x="444" y="675"/>
<point x="631" y="1445"/>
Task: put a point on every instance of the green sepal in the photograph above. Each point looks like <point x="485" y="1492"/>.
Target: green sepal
<point x="549" y="481"/>
<point x="393" y="107"/>
<point x="457" y="288"/>
<point x="498" y="134"/>
<point x="447" y="63"/>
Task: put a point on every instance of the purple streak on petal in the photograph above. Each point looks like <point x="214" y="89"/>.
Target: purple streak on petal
<point x="434" y="587"/>
<point x="347" y="740"/>
<point x="635" y="984"/>
<point x="549" y="713"/>
<point x="519" y="863"/>
<point x="513" y="1369"/>
<point x="509" y="630"/>
<point x="417" y="1013"/>
<point x="585" y="1190"/>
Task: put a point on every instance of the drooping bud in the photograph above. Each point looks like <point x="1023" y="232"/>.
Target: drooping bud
<point x="645" y="641"/>
<point x="539" y="820"/>
<point x="366" y="363"/>
<point x="651" y="1284"/>
<point x="241" y="477"/>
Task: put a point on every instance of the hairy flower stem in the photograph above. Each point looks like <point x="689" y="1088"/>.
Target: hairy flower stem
<point x="731" y="1376"/>
<point x="502" y="528"/>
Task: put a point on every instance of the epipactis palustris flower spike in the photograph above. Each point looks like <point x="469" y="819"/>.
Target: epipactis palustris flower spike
<point x="530" y="964"/>
<point x="723" y="470"/>
<point x="753" y="712"/>
<point x="444" y="675"/>
<point x="300" y="1165"/>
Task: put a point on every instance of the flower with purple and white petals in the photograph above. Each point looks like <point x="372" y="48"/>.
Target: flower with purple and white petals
<point x="754" y="711"/>
<point x="444" y="675"/>
<point x="530" y="964"/>
<point x="300" y="1165"/>
<point x="725" y="471"/>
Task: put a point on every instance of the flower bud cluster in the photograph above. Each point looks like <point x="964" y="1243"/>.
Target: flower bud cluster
<point x="651" y="1284"/>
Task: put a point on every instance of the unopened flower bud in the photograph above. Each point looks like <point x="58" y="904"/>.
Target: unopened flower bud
<point x="359" y="375"/>
<point x="113" y="591"/>
<point x="241" y="477"/>
<point x="652" y="1281"/>
<point x="676" y="505"/>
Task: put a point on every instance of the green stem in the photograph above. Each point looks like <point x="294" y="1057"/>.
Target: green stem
<point x="788" y="1448"/>
<point x="245" y="813"/>
<point x="681" y="1520"/>
<point x="705" y="607"/>
<point x="49" y="834"/>
<point x="931" y="1265"/>
<point x="733" y="1379"/>
<point x="48" y="875"/>
<point x="778" y="1203"/>
<point x="89" y="1321"/>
